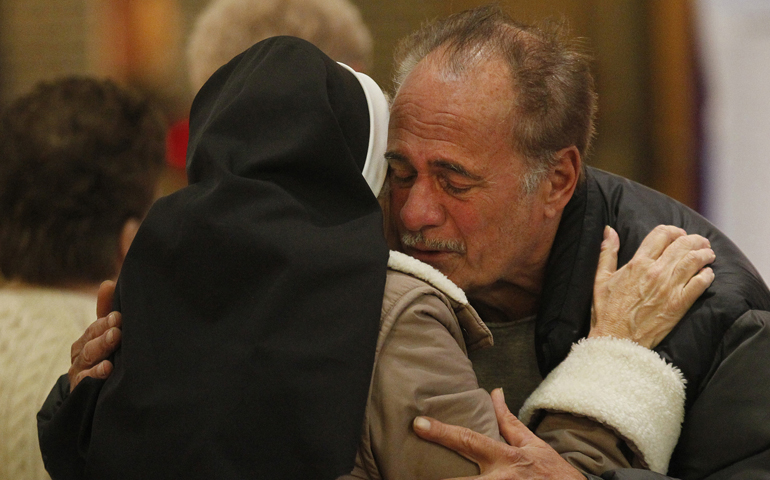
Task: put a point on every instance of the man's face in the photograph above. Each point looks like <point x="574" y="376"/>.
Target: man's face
<point x="457" y="196"/>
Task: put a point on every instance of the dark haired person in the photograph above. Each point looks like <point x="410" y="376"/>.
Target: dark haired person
<point x="80" y="160"/>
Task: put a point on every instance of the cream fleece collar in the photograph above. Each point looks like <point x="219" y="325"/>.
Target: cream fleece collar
<point x="410" y="265"/>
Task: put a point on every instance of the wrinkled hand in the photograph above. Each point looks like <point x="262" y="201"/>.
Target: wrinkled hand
<point x="647" y="297"/>
<point x="89" y="353"/>
<point x="524" y="457"/>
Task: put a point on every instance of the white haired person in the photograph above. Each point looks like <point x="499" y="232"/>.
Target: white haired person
<point x="226" y="28"/>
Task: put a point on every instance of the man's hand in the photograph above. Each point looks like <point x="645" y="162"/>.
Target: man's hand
<point x="525" y="456"/>
<point x="647" y="297"/>
<point x="89" y="353"/>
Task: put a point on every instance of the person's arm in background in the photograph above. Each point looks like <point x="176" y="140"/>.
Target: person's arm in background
<point x="642" y="301"/>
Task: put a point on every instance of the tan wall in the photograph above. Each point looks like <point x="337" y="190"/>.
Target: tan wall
<point x="40" y="39"/>
<point x="673" y="101"/>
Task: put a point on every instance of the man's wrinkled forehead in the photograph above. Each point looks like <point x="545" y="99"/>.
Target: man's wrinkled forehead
<point x="449" y="103"/>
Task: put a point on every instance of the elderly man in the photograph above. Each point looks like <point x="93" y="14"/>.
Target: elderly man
<point x="489" y="127"/>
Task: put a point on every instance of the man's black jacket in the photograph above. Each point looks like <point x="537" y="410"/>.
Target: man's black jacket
<point x="722" y="345"/>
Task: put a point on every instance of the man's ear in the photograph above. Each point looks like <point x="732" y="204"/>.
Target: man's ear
<point x="562" y="180"/>
<point x="126" y="237"/>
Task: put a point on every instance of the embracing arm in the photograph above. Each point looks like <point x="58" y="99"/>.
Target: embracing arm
<point x="627" y="390"/>
<point x="718" y="441"/>
<point x="725" y="436"/>
<point x="608" y="426"/>
<point x="642" y="301"/>
<point x="612" y="378"/>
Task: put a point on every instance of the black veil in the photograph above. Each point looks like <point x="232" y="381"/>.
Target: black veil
<point x="251" y="298"/>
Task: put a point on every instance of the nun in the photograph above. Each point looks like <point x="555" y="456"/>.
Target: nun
<point x="255" y="300"/>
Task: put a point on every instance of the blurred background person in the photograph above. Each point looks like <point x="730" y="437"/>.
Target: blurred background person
<point x="226" y="28"/>
<point x="80" y="160"/>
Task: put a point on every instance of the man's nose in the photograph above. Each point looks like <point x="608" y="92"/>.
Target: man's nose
<point x="422" y="208"/>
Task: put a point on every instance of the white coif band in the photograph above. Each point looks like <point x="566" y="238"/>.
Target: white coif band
<point x="375" y="167"/>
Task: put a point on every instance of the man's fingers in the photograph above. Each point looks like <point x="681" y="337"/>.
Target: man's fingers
<point x="100" y="371"/>
<point x="92" y="359"/>
<point x="104" y="298"/>
<point x="102" y="347"/>
<point x="657" y="240"/>
<point x="608" y="257"/>
<point x="471" y="445"/>
<point x="98" y="349"/>
<point x="514" y="432"/>
<point x="89" y="353"/>
<point x="95" y="330"/>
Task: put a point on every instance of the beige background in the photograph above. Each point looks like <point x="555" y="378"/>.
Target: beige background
<point x="642" y="47"/>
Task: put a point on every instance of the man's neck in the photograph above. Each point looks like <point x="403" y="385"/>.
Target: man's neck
<point x="517" y="296"/>
<point x="506" y="303"/>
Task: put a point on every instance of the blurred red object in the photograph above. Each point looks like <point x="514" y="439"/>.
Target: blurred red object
<point x="176" y="144"/>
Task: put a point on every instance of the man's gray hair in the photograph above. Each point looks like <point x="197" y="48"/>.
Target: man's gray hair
<point x="228" y="27"/>
<point x="554" y="99"/>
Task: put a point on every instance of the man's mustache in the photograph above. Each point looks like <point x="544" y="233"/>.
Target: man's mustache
<point x="417" y="239"/>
